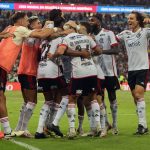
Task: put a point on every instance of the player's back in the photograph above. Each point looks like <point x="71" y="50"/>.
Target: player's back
<point x="29" y="57"/>
<point x="9" y="51"/>
<point x="81" y="67"/>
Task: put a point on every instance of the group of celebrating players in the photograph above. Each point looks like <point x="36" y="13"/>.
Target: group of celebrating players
<point x="72" y="63"/>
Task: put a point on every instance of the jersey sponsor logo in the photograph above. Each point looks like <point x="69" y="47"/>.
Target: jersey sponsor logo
<point x="102" y="34"/>
<point x="133" y="44"/>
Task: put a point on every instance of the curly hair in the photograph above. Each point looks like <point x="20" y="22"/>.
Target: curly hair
<point x="139" y="18"/>
<point x="56" y="16"/>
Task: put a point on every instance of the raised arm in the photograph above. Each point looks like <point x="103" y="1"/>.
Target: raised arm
<point x="43" y="33"/>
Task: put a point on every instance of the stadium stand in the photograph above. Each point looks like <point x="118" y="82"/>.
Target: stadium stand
<point x="100" y="2"/>
<point x="116" y="23"/>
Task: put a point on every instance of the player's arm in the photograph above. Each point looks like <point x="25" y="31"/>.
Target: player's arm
<point x="113" y="51"/>
<point x="146" y="18"/>
<point x="61" y="33"/>
<point x="113" y="43"/>
<point x="97" y="50"/>
<point x="64" y="50"/>
<point x="40" y="33"/>
<point x="60" y="51"/>
<point x="83" y="53"/>
<point x="5" y="35"/>
<point x="43" y="33"/>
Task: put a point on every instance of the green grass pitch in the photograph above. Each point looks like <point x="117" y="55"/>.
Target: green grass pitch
<point x="127" y="124"/>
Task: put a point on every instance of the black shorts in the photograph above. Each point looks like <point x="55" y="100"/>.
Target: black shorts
<point x="138" y="77"/>
<point x="3" y="79"/>
<point x="27" y="82"/>
<point x="100" y="83"/>
<point x="50" y="84"/>
<point x="83" y="86"/>
<point x="111" y="83"/>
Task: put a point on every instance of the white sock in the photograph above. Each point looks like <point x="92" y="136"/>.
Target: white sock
<point x="18" y="127"/>
<point x="71" y="115"/>
<point x="54" y="112"/>
<point x="141" y="112"/>
<point x="28" y="111"/>
<point x="96" y="113"/>
<point x="5" y="123"/>
<point x="49" y="117"/>
<point x="114" y="107"/>
<point x="61" y="110"/>
<point x="102" y="116"/>
<point x="43" y="116"/>
<point x="91" y="118"/>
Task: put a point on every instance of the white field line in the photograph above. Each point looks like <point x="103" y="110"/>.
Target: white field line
<point x="22" y="144"/>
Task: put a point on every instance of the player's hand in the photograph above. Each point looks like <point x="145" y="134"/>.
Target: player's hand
<point x="146" y="20"/>
<point x="49" y="55"/>
<point x="85" y="54"/>
<point x="49" y="24"/>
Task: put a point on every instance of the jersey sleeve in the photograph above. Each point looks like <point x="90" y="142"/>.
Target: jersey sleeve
<point x="22" y="32"/>
<point x="112" y="38"/>
<point x="64" y="42"/>
<point x="120" y="36"/>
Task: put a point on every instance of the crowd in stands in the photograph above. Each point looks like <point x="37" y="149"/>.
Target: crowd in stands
<point x="116" y="23"/>
<point x="100" y="2"/>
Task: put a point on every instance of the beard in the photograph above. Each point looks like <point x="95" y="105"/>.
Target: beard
<point x="94" y="28"/>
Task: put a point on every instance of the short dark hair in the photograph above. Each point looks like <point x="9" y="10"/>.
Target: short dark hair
<point x="87" y="26"/>
<point x="56" y="16"/>
<point x="18" y="15"/>
<point x="54" y="13"/>
<point x="98" y="17"/>
<point x="139" y="18"/>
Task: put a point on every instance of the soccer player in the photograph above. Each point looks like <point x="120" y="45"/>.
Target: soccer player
<point x="108" y="41"/>
<point x="136" y="43"/>
<point x="84" y="74"/>
<point x="9" y="50"/>
<point x="51" y="79"/>
<point x="27" y="72"/>
<point x="4" y="35"/>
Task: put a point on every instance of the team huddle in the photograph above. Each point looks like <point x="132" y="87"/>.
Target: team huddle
<point x="72" y="63"/>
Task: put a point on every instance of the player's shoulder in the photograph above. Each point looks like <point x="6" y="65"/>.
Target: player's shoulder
<point x="105" y="30"/>
<point x="22" y="28"/>
<point x="125" y="33"/>
<point x="71" y="36"/>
